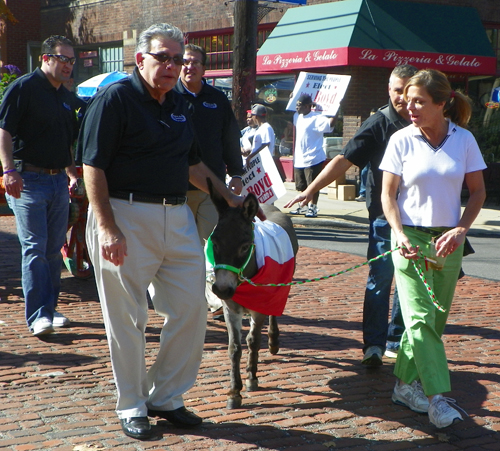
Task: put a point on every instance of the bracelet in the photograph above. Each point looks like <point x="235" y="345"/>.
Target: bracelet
<point x="9" y="171"/>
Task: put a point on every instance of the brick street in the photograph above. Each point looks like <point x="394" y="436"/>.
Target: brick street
<point x="57" y="393"/>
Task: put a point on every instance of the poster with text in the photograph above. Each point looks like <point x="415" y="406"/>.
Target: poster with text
<point x="262" y="178"/>
<point x="326" y="91"/>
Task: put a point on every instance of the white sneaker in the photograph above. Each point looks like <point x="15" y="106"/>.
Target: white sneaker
<point x="60" y="320"/>
<point x="411" y="396"/>
<point x="373" y="356"/>
<point x="441" y="414"/>
<point x="42" y="326"/>
<point x="391" y="353"/>
<point x="299" y="210"/>
<point x="312" y="211"/>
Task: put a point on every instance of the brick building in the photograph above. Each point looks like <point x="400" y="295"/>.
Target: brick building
<point x="104" y="33"/>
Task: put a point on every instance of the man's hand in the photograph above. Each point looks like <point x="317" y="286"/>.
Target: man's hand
<point x="113" y="246"/>
<point x="13" y="183"/>
<point x="236" y="185"/>
<point x="302" y="198"/>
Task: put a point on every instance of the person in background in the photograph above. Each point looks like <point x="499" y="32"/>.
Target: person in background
<point x="139" y="153"/>
<point x="37" y="129"/>
<point x="218" y="136"/>
<point x="247" y="135"/>
<point x="309" y="156"/>
<point x="368" y="147"/>
<point x="264" y="134"/>
<point x="424" y="167"/>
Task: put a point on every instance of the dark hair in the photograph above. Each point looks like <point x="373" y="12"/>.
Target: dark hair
<point x="404" y="71"/>
<point x="457" y="105"/>
<point x="201" y="50"/>
<point x="158" y="30"/>
<point x="50" y="44"/>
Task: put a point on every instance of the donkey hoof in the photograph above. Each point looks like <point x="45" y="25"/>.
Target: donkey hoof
<point x="252" y="384"/>
<point x="274" y="349"/>
<point x="234" y="403"/>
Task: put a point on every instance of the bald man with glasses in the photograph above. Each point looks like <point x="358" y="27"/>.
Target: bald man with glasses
<point x="38" y="126"/>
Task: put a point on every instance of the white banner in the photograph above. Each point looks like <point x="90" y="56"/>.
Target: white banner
<point x="326" y="91"/>
<point x="262" y="178"/>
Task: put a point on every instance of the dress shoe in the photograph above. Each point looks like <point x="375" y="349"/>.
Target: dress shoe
<point x="180" y="417"/>
<point x="136" y="427"/>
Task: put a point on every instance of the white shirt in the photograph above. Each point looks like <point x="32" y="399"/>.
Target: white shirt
<point x="431" y="179"/>
<point x="263" y="134"/>
<point x="309" y="130"/>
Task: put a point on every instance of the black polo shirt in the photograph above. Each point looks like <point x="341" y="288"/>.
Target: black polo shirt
<point x="368" y="146"/>
<point x="41" y="119"/>
<point x="216" y="129"/>
<point x="143" y="146"/>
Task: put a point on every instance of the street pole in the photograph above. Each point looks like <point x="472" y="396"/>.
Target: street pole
<point x="244" y="57"/>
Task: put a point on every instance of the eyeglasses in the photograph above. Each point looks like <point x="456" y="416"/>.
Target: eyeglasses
<point x="63" y="58"/>
<point x="164" y="58"/>
<point x="195" y="63"/>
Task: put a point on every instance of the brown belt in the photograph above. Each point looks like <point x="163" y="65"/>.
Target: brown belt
<point x="31" y="168"/>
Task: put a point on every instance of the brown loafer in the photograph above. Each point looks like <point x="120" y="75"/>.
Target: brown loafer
<point x="179" y="417"/>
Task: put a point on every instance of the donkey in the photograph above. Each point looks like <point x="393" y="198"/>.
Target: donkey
<point x="232" y="245"/>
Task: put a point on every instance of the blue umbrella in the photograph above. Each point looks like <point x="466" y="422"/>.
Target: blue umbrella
<point x="89" y="87"/>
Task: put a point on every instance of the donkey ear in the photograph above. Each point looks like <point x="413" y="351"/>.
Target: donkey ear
<point x="220" y="203"/>
<point x="250" y="206"/>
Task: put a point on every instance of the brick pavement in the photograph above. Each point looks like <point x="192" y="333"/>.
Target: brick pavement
<point x="58" y="393"/>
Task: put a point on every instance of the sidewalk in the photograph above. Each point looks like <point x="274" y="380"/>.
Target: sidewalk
<point x="352" y="213"/>
<point x="58" y="393"/>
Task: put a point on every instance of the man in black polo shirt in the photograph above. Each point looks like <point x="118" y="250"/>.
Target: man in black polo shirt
<point x="219" y="139"/>
<point x="368" y="146"/>
<point x="37" y="129"/>
<point x="139" y="154"/>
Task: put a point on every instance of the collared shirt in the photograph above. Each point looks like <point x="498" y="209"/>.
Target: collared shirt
<point x="41" y="120"/>
<point x="216" y="129"/>
<point x="143" y="146"/>
<point x="368" y="146"/>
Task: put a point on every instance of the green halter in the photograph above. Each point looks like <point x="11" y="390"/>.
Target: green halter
<point x="209" y="254"/>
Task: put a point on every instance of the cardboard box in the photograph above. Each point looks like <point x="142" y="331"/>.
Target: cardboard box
<point x="339" y="181"/>
<point x="332" y="193"/>
<point x="346" y="192"/>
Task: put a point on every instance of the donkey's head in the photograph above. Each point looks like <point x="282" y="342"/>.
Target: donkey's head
<point x="232" y="241"/>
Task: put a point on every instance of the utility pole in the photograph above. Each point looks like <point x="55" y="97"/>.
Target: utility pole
<point x="244" y="57"/>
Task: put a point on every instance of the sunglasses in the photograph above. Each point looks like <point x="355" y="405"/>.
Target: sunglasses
<point x="164" y="58"/>
<point x="63" y="59"/>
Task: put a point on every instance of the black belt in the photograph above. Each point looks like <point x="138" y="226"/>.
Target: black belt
<point x="149" y="198"/>
<point x="428" y="230"/>
<point x="30" y="168"/>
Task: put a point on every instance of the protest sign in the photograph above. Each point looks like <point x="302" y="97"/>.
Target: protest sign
<point x="262" y="178"/>
<point x="326" y="91"/>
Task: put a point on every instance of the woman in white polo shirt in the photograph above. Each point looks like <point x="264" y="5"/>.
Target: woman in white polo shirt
<point x="425" y="165"/>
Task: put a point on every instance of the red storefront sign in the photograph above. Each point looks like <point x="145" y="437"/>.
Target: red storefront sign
<point x="350" y="56"/>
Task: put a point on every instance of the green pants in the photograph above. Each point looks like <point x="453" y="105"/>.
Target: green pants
<point x="422" y="355"/>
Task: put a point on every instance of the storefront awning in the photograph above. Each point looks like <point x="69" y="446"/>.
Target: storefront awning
<point x="379" y="33"/>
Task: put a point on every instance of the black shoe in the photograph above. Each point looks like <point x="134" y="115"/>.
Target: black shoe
<point x="179" y="417"/>
<point x="137" y="427"/>
<point x="218" y="315"/>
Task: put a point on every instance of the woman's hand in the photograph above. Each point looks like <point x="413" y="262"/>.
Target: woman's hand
<point x="302" y="198"/>
<point x="448" y="242"/>
<point x="407" y="250"/>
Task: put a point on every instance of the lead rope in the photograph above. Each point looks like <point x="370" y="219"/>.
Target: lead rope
<point x="416" y="265"/>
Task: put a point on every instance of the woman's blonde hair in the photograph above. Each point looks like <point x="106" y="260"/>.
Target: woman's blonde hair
<point x="457" y="105"/>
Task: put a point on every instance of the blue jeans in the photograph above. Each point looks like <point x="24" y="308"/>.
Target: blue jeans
<point x="42" y="221"/>
<point x="378" y="291"/>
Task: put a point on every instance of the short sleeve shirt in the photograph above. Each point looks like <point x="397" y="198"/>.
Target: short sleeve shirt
<point x="41" y="120"/>
<point x="309" y="130"/>
<point x="264" y="134"/>
<point x="431" y="179"/>
<point x="143" y="146"/>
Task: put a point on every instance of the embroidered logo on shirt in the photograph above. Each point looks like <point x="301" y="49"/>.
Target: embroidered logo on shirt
<point x="178" y="117"/>
<point x="213" y="106"/>
<point x="65" y="105"/>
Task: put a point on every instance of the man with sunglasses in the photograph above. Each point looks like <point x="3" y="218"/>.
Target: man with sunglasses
<point x="37" y="129"/>
<point x="139" y="154"/>
<point x="219" y="137"/>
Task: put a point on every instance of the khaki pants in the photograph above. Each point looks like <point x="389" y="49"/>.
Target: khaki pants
<point x="164" y="255"/>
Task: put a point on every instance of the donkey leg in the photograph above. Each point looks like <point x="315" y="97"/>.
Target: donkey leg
<point x="253" y="343"/>
<point x="273" y="334"/>
<point x="233" y="324"/>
